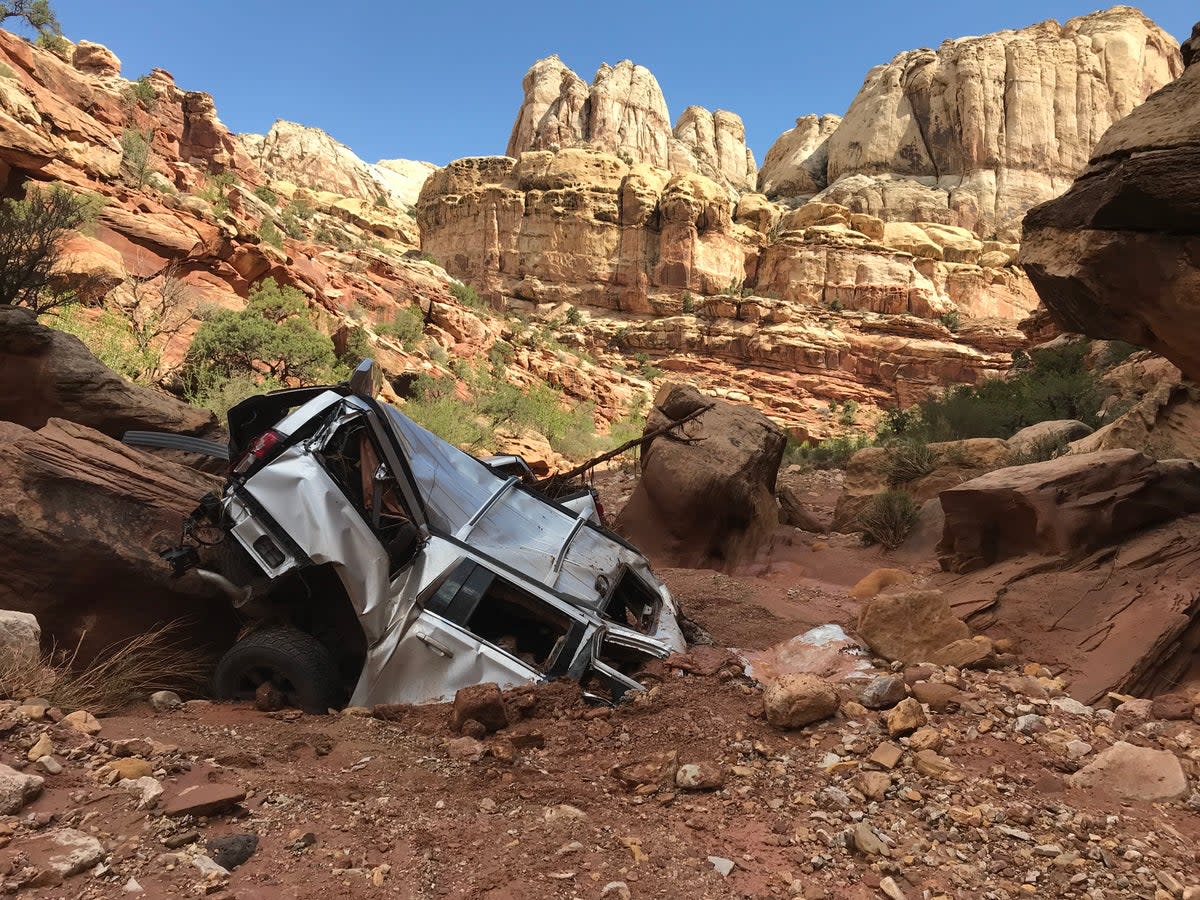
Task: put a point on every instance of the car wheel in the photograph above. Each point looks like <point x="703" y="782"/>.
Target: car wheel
<point x="295" y="664"/>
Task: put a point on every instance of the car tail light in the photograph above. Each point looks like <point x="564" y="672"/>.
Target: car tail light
<point x="600" y="509"/>
<point x="261" y="449"/>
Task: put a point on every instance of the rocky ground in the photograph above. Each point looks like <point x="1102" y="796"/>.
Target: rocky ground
<point x="961" y="783"/>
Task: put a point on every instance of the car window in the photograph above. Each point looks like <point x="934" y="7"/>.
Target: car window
<point x="505" y="615"/>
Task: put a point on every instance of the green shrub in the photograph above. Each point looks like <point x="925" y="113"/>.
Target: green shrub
<point x="32" y="233"/>
<point x="55" y="43"/>
<point x="406" y="328"/>
<point x="574" y="316"/>
<point x="1049" y="447"/>
<point x="135" y="155"/>
<point x="270" y="233"/>
<point x="951" y="319"/>
<point x="271" y="340"/>
<point x="1056" y="384"/>
<point x="888" y="518"/>
<point x="108" y="337"/>
<point x="266" y="195"/>
<point x="143" y="92"/>
<point x="832" y="453"/>
<point x="466" y="295"/>
<point x="358" y="348"/>
<point x="908" y="460"/>
<point x="429" y="258"/>
<point x="688" y="302"/>
<point x="849" y="411"/>
<point x="1118" y="352"/>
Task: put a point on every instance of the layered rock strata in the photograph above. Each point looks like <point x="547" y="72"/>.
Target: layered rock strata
<point x="1118" y="255"/>
<point x="979" y="130"/>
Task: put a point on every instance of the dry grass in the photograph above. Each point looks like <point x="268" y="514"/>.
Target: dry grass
<point x="119" y="675"/>
<point x="888" y="519"/>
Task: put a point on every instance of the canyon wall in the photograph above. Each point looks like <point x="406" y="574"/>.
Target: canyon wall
<point x="981" y="129"/>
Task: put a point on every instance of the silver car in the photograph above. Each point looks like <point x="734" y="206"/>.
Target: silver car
<point x="375" y="563"/>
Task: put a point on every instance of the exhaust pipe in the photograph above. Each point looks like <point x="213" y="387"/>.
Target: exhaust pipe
<point x="239" y="596"/>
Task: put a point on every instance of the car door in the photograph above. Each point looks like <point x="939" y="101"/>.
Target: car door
<point x="479" y="626"/>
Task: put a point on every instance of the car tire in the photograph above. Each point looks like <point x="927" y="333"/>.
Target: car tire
<point x="299" y="667"/>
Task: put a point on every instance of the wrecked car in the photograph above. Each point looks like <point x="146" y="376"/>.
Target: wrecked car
<point x="376" y="563"/>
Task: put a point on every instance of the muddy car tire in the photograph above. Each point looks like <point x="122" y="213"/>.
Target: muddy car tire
<point x="296" y="664"/>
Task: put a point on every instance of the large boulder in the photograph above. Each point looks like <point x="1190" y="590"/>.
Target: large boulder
<point x="82" y="518"/>
<point x="706" y="498"/>
<point x="910" y="627"/>
<point x="46" y="373"/>
<point x="1070" y="505"/>
<point x="1128" y="772"/>
<point x="1118" y="255"/>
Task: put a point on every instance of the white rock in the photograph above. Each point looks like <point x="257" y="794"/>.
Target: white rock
<point x="73" y="852"/>
<point x="147" y="789"/>
<point x="1074" y="707"/>
<point x="17" y="789"/>
<point x="1134" y="773"/>
<point x="132" y="887"/>
<point x="49" y="765"/>
<point x="722" y="865"/>
<point x="617" y="889"/>
<point x="164" y="701"/>
<point x="207" y="867"/>
<point x="20" y="635"/>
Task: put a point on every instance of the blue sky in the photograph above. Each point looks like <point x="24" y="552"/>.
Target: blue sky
<point x="441" y="80"/>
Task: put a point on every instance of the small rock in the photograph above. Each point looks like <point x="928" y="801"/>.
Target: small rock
<point x="231" y="850"/>
<point x="886" y="755"/>
<point x="1031" y="723"/>
<point x="132" y="887"/>
<point x="175" y="841"/>
<point x="874" y="785"/>
<point x="929" y="763"/>
<point x="49" y="765"/>
<point x="937" y="696"/>
<point x="128" y="768"/>
<point x="965" y="653"/>
<point x="658" y="769"/>
<point x="884" y="692"/>
<point x="482" y="702"/>
<point x="1072" y="706"/>
<point x="925" y="738"/>
<point x="1172" y="706"/>
<point x="616" y="889"/>
<point x="867" y="842"/>
<point x="83" y="721"/>
<point x="906" y="717"/>
<point x="204" y="800"/>
<point x="17" y="789"/>
<point x="563" y="812"/>
<point x="165" y="701"/>
<point x="796" y="700"/>
<point x="268" y="698"/>
<point x="41" y="747"/>
<point x="702" y="776"/>
<point x="473" y="728"/>
<point x="722" y="865"/>
<point x="467" y="748"/>
<point x="891" y="889"/>
<point x="208" y="867"/>
<point x="147" y="789"/>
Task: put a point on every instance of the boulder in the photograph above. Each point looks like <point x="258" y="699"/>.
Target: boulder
<point x="1118" y="255"/>
<point x="910" y="627"/>
<point x="17" y="789"/>
<point x="20" y="635"/>
<point x="706" y="496"/>
<point x="795" y="165"/>
<point x="95" y="59"/>
<point x="796" y="700"/>
<point x="1128" y="772"/>
<point x="1046" y="435"/>
<point x="47" y="373"/>
<point x="82" y="518"/>
<point x="1069" y="505"/>
<point x="482" y="703"/>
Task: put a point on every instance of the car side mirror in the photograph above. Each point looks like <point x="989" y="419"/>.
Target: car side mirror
<point x="367" y="380"/>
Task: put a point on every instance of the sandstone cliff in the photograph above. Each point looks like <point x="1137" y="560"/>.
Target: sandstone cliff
<point x="310" y="158"/>
<point x="623" y="112"/>
<point x="981" y="129"/>
<point x="1118" y="255"/>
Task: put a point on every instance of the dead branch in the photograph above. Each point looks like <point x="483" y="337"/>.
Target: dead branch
<point x="555" y="480"/>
